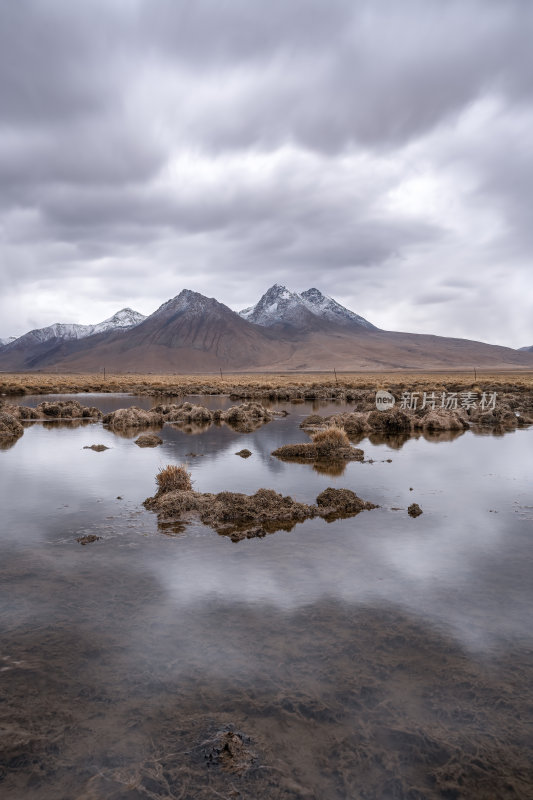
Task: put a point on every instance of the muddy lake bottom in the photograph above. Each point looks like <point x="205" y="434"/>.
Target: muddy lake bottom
<point x="374" y="657"/>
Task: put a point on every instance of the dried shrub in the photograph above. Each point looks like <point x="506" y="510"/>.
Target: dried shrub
<point x="124" y="419"/>
<point x="173" y="478"/>
<point x="331" y="439"/>
<point x="10" y="428"/>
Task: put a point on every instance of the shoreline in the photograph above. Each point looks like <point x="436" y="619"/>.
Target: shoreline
<point x="260" y="384"/>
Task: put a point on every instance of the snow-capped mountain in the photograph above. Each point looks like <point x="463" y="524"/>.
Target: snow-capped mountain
<point x="7" y="341"/>
<point x="125" y="318"/>
<point x="186" y="300"/>
<point x="280" y="306"/>
<point x="122" y="320"/>
<point x="286" y="330"/>
<point x="277" y="305"/>
<point x="328" y="308"/>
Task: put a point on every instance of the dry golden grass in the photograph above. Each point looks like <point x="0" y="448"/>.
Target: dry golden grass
<point x="55" y="383"/>
<point x="331" y="438"/>
<point x="172" y="478"/>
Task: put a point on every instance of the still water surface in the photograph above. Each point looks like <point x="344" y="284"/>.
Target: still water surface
<point x="379" y="656"/>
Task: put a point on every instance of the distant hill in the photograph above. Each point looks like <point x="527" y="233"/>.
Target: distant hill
<point x="283" y="331"/>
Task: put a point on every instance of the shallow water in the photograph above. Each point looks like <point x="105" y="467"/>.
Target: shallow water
<point x="378" y="656"/>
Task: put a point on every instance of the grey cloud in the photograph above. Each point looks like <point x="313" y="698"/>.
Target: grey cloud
<point x="380" y="78"/>
<point x="51" y="61"/>
<point x="296" y="123"/>
<point x="436" y="298"/>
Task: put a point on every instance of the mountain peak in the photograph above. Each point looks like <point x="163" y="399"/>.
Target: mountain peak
<point x="192" y="302"/>
<point x="122" y="320"/>
<point x="278" y="305"/>
<point x="125" y="318"/>
<point x="328" y="308"/>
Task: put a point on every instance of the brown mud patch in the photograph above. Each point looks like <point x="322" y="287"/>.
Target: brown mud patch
<point x="56" y="410"/>
<point x="436" y="424"/>
<point x="414" y="510"/>
<point x="10" y="427"/>
<point x="330" y="445"/>
<point x="244" y="418"/>
<point x="189" y="418"/>
<point x="130" y="419"/>
<point x="234" y="512"/>
<point x="89" y="539"/>
<point x="148" y="440"/>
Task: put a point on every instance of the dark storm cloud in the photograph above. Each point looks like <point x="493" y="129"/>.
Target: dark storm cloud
<point x="343" y="73"/>
<point x="380" y="150"/>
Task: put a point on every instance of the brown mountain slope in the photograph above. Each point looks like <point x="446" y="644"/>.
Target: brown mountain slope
<point x="189" y="332"/>
<point x="388" y="350"/>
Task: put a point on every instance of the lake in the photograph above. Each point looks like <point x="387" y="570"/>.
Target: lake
<point x="373" y="657"/>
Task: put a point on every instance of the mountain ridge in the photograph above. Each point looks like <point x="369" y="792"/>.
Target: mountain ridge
<point x="194" y="333"/>
<point x="279" y="306"/>
<point x="125" y="318"/>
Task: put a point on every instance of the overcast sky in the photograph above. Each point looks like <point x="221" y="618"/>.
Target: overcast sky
<point x="380" y="151"/>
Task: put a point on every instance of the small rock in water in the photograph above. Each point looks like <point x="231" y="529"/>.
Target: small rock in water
<point x="89" y="539"/>
<point x="244" y="453"/>
<point x="414" y="510"/>
<point x="98" y="448"/>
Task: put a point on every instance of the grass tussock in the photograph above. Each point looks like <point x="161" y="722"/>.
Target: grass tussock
<point x="330" y="444"/>
<point x="10" y="428"/>
<point x="173" y="478"/>
<point x="331" y="439"/>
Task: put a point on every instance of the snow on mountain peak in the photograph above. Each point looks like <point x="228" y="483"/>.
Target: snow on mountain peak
<point x="125" y="318"/>
<point x="187" y="300"/>
<point x="329" y="309"/>
<point x="279" y="305"/>
<point x="122" y="320"/>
